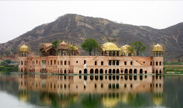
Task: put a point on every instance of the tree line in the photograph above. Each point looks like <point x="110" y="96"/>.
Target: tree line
<point x="90" y="45"/>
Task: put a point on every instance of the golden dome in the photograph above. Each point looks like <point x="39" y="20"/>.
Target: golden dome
<point x="157" y="47"/>
<point x="24" y="48"/>
<point x="124" y="48"/>
<point x="75" y="47"/>
<point x="125" y="51"/>
<point x="109" y="46"/>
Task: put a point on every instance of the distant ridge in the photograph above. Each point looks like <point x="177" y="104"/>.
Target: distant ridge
<point x="74" y="29"/>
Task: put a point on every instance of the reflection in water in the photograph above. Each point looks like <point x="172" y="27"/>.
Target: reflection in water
<point x="110" y="90"/>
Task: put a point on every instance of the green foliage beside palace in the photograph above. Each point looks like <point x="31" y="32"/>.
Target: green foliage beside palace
<point x="8" y="68"/>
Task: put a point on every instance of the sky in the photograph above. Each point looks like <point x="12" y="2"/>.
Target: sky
<point x="19" y="17"/>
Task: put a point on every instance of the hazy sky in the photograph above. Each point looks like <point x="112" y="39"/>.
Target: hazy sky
<point x="18" y="17"/>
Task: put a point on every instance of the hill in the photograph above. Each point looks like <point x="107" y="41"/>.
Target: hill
<point x="74" y="29"/>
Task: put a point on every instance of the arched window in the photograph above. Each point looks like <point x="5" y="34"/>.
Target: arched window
<point x="160" y="63"/>
<point x="130" y="71"/>
<point x="141" y="71"/>
<point x="151" y="63"/>
<point x="85" y="71"/>
<point x="109" y="71"/>
<point x="101" y="71"/>
<point x="126" y="71"/>
<point x="135" y="71"/>
<point x="65" y="63"/>
<point x="96" y="71"/>
<point x="65" y="71"/>
<point x="131" y="62"/>
<point x="91" y="71"/>
<point x="117" y="71"/>
<point x="51" y="62"/>
<point x="156" y="71"/>
<point x="113" y="71"/>
<point x="117" y="63"/>
<point x="121" y="70"/>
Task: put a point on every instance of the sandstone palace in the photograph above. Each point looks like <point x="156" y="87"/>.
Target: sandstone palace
<point x="113" y="60"/>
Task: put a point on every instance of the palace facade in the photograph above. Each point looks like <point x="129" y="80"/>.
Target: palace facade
<point x="65" y="59"/>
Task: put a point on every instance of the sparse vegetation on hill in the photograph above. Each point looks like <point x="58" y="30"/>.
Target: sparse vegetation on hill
<point x="74" y="29"/>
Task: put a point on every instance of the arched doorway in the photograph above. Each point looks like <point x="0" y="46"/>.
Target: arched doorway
<point x="109" y="71"/>
<point x="91" y="71"/>
<point x="113" y="71"/>
<point x="85" y="71"/>
<point x="130" y="71"/>
<point x="91" y="74"/>
<point x="141" y="71"/>
<point x="101" y="72"/>
<point x="117" y="71"/>
<point x="135" y="71"/>
<point x="96" y="72"/>
<point x="126" y="71"/>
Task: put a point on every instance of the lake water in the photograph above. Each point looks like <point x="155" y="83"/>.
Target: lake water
<point x="37" y="91"/>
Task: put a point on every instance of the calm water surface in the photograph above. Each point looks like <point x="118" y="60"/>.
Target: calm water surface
<point x="32" y="91"/>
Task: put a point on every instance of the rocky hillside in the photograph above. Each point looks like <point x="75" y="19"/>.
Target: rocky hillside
<point x="74" y="29"/>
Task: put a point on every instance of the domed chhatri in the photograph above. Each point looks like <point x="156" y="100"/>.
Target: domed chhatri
<point x="24" y="48"/>
<point x="110" y="49"/>
<point x="125" y="51"/>
<point x="158" y="50"/>
<point x="23" y="51"/>
<point x="109" y="46"/>
<point x="158" y="47"/>
<point x="63" y="45"/>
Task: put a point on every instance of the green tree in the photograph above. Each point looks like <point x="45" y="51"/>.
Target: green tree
<point x="3" y="63"/>
<point x="138" y="46"/>
<point x="56" y="43"/>
<point x="8" y="61"/>
<point x="89" y="45"/>
<point x="71" y="49"/>
<point x="130" y="50"/>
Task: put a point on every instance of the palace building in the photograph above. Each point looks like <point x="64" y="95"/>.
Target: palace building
<point x="65" y="59"/>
